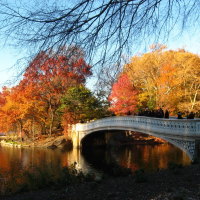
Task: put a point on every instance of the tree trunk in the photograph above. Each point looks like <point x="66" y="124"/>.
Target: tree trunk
<point x="51" y="120"/>
<point x="21" y="129"/>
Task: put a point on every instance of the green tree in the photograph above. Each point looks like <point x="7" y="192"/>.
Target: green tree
<point x="80" y="105"/>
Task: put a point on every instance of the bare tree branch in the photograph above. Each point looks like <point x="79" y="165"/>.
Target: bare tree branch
<point x="106" y="30"/>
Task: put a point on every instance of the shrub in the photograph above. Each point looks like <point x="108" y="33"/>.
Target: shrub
<point x="36" y="178"/>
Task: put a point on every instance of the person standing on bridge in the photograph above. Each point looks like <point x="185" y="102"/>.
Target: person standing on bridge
<point x="160" y="113"/>
<point x="166" y="114"/>
<point x="179" y="115"/>
<point x="191" y="116"/>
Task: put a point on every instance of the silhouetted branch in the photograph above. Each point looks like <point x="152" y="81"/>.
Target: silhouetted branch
<point x="106" y="30"/>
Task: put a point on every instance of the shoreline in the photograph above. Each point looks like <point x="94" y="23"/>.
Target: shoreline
<point x="49" y="142"/>
<point x="61" y="141"/>
<point x="178" y="183"/>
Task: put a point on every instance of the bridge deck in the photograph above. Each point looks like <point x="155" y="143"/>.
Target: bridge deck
<point x="172" y="126"/>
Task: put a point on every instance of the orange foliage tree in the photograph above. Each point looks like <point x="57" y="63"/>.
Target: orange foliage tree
<point x="6" y="120"/>
<point x="19" y="112"/>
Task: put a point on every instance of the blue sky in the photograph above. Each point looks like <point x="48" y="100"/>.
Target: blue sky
<point x="8" y="60"/>
<point x="9" y="56"/>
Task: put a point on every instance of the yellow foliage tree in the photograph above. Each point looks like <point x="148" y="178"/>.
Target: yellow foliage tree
<point x="168" y="79"/>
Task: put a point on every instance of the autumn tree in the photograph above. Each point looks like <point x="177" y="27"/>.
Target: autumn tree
<point x="11" y="112"/>
<point x="6" y="122"/>
<point x="20" y="112"/>
<point x="49" y="76"/>
<point x="168" y="79"/>
<point x="123" y="98"/>
<point x="144" y="71"/>
<point x="189" y="79"/>
<point x="32" y="109"/>
<point x="31" y="106"/>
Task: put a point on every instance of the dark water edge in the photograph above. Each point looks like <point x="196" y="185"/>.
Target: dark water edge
<point x="27" y="169"/>
<point x="147" y="157"/>
<point x="176" y="183"/>
<point x="97" y="160"/>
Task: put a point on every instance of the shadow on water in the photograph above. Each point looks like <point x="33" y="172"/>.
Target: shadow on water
<point x="148" y="157"/>
<point x="106" y="164"/>
<point x="105" y="150"/>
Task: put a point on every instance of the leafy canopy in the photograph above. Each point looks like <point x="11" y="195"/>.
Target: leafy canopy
<point x="123" y="98"/>
<point x="80" y="105"/>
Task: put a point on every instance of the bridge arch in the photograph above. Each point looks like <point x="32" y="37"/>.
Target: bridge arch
<point x="184" y="134"/>
<point x="183" y="145"/>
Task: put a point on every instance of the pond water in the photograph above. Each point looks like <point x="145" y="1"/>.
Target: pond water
<point x="98" y="160"/>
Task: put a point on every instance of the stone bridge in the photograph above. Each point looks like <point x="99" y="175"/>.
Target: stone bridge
<point x="183" y="133"/>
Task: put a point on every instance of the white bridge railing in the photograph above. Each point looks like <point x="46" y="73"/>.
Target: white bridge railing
<point x="172" y="126"/>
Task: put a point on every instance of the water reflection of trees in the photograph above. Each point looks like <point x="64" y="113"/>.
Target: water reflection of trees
<point x="148" y="157"/>
<point x="14" y="160"/>
<point x="152" y="157"/>
<point x="17" y="159"/>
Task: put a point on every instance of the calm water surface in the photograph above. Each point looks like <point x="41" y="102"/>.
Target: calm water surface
<point x="148" y="157"/>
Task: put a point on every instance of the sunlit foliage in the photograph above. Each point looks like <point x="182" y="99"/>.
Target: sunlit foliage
<point x="166" y="78"/>
<point x="31" y="107"/>
<point x="123" y="97"/>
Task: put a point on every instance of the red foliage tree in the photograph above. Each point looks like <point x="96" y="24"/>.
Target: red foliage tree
<point x="49" y="76"/>
<point x="32" y="105"/>
<point x="123" y="98"/>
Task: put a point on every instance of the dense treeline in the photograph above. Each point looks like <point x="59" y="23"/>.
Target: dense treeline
<point x="52" y="92"/>
<point x="159" y="79"/>
<point x="50" y="96"/>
